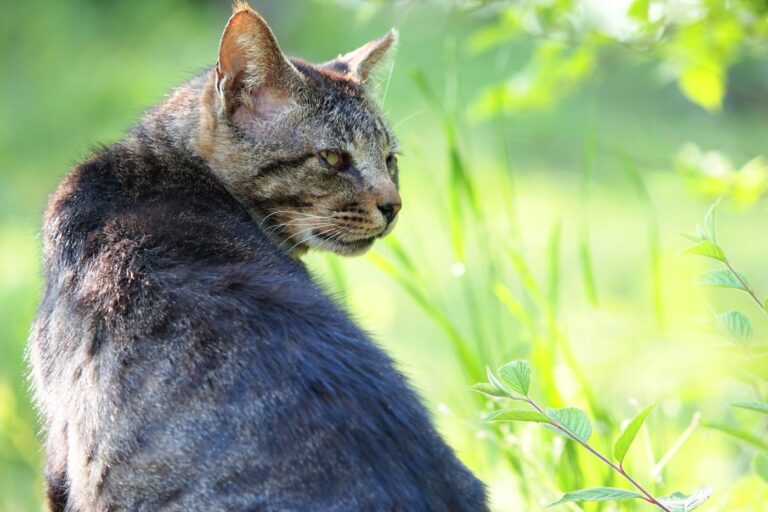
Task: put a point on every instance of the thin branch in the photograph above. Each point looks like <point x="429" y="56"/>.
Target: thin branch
<point x="619" y="469"/>
<point x="746" y="286"/>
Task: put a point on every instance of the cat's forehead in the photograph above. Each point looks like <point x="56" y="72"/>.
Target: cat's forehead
<point x="343" y="107"/>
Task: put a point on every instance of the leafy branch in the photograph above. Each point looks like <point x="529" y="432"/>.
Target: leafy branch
<point x="512" y="382"/>
<point x="738" y="328"/>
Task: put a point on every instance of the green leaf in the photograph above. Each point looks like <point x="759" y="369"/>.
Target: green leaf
<point x="628" y="436"/>
<point x="739" y="434"/>
<point x="761" y="466"/>
<point x="516" y="377"/>
<point x="752" y="406"/>
<point x="679" y="502"/>
<point x="515" y="415"/>
<point x="707" y="249"/>
<point x="488" y="389"/>
<point x="703" y="83"/>
<point x="597" y="494"/>
<point x="737" y="325"/>
<point x="691" y="237"/>
<point x="723" y="279"/>
<point x="575" y="421"/>
<point x="639" y="10"/>
<point x="495" y="382"/>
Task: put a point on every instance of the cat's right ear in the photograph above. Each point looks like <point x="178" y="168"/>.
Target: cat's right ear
<point x="252" y="70"/>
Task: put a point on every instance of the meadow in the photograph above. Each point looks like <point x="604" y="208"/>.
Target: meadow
<point x="553" y="153"/>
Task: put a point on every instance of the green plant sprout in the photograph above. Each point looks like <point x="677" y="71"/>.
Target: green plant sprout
<point x="738" y="328"/>
<point x="512" y="382"/>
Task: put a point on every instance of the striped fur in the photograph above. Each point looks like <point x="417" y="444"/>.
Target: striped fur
<point x="183" y="359"/>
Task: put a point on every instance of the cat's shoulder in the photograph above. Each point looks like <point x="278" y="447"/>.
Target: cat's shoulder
<point x="128" y="223"/>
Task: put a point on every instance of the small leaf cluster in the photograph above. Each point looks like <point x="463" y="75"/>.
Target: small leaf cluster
<point x="512" y="382"/>
<point x="737" y="327"/>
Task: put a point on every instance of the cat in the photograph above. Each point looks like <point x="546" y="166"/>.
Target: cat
<point x="183" y="358"/>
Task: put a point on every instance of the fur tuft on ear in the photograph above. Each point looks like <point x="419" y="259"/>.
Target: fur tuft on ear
<point x="241" y="5"/>
<point x="250" y="59"/>
<point x="358" y="64"/>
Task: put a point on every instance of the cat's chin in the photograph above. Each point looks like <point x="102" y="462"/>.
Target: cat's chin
<point x="345" y="247"/>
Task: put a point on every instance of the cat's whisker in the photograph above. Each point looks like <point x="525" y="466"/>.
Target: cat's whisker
<point x="326" y="243"/>
<point x="308" y="229"/>
<point x="277" y="212"/>
<point x="386" y="88"/>
<point x="331" y="239"/>
<point x="407" y="118"/>
<point x="312" y="235"/>
<point x="304" y="231"/>
<point x="274" y="228"/>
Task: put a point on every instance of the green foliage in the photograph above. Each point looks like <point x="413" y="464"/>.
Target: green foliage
<point x="707" y="249"/>
<point x="488" y="390"/>
<point x="696" y="45"/>
<point x="739" y="434"/>
<point x="516" y="377"/>
<point x="712" y="174"/>
<point x="679" y="502"/>
<point x="597" y="494"/>
<point x="737" y="325"/>
<point x="624" y="441"/>
<point x="752" y="406"/>
<point x="738" y="328"/>
<point x="516" y="415"/>
<point x="761" y="466"/>
<point x="570" y="422"/>
<point x="575" y="425"/>
<point x="724" y="279"/>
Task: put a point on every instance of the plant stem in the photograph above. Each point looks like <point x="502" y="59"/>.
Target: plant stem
<point x="619" y="469"/>
<point x="746" y="286"/>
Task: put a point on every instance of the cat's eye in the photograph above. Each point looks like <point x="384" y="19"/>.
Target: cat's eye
<point x="391" y="164"/>
<point x="336" y="159"/>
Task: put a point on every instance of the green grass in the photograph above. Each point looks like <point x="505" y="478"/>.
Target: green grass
<point x="550" y="236"/>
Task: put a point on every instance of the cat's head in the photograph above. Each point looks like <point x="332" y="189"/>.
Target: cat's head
<point x="302" y="146"/>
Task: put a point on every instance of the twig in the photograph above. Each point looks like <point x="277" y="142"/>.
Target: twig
<point x="618" y="468"/>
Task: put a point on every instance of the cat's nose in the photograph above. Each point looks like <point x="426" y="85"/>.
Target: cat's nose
<point x="389" y="209"/>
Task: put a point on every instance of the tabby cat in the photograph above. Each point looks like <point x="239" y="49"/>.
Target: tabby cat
<point x="182" y="357"/>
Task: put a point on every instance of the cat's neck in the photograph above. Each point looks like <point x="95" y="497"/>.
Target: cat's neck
<point x="174" y="126"/>
<point x="182" y="129"/>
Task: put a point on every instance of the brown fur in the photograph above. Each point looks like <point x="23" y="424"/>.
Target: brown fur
<point x="259" y="110"/>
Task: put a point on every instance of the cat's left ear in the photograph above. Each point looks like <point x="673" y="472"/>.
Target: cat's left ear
<point x="358" y="64"/>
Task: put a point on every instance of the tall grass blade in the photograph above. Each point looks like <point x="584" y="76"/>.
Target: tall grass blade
<point x="553" y="251"/>
<point x="585" y="252"/>
<point x="471" y="364"/>
<point x="652" y="233"/>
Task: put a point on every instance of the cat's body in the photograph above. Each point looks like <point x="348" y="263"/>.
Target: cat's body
<point x="184" y="360"/>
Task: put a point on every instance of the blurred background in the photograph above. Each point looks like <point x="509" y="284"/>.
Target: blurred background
<point x="553" y="150"/>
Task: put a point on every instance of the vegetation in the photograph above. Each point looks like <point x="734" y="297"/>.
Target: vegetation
<point x="513" y="383"/>
<point x="553" y="151"/>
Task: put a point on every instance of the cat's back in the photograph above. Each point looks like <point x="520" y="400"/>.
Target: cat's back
<point x="184" y="361"/>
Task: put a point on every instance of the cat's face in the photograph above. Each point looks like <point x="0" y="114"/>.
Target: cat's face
<point x="303" y="147"/>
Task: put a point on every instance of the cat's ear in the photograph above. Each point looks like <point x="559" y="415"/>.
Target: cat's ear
<point x="251" y="67"/>
<point x="358" y="64"/>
